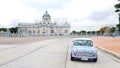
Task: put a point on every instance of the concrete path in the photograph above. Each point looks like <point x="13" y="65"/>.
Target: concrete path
<point x="54" y="53"/>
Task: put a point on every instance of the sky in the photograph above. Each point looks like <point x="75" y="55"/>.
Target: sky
<point x="86" y="15"/>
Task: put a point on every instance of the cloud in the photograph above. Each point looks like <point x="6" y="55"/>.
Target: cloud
<point x="81" y="14"/>
<point x="43" y="4"/>
<point x="12" y="9"/>
<point x="100" y="15"/>
<point x="92" y="16"/>
<point x="14" y="22"/>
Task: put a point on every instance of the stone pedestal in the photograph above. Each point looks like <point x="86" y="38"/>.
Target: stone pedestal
<point x="116" y="32"/>
<point x="8" y="33"/>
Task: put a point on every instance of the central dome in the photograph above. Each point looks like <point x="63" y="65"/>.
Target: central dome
<point x="46" y="14"/>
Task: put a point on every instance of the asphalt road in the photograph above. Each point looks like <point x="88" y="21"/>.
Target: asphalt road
<point x="53" y="53"/>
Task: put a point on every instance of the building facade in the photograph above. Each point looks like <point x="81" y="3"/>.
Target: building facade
<point x="44" y="28"/>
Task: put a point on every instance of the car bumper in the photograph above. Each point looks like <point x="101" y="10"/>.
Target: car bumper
<point x="84" y="57"/>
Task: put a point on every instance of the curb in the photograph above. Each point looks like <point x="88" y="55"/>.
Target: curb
<point x="109" y="52"/>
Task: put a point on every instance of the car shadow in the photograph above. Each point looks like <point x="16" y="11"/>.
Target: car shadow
<point x="84" y="61"/>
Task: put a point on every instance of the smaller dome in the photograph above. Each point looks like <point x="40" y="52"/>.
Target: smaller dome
<point x="46" y="14"/>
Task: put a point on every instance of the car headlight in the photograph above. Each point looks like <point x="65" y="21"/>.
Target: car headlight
<point x="94" y="51"/>
<point x="74" y="50"/>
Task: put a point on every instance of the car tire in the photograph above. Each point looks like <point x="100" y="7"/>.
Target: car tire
<point x="95" y="60"/>
<point x="72" y="58"/>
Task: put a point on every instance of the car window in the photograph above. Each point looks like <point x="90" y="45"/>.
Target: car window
<point x="83" y="43"/>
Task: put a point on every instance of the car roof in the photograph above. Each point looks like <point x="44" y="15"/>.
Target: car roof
<point x="82" y="39"/>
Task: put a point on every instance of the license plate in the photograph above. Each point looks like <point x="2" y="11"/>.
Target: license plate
<point x="84" y="58"/>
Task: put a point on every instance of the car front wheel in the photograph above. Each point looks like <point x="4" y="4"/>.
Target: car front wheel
<point x="72" y="58"/>
<point x="95" y="60"/>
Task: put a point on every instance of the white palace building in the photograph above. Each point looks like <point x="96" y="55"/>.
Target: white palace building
<point x="44" y="28"/>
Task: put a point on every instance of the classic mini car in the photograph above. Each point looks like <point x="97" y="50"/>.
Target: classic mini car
<point x="83" y="49"/>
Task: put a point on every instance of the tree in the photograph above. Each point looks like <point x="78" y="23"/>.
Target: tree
<point x="98" y="32"/>
<point x="83" y="32"/>
<point x="3" y="29"/>
<point x="13" y="29"/>
<point x="74" y="32"/>
<point x="79" y="33"/>
<point x="112" y="30"/>
<point x="88" y="32"/>
<point x="93" y="32"/>
<point x="117" y="7"/>
<point x="118" y="25"/>
<point x="103" y="29"/>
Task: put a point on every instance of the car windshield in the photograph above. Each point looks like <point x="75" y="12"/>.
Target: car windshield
<point x="83" y="43"/>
